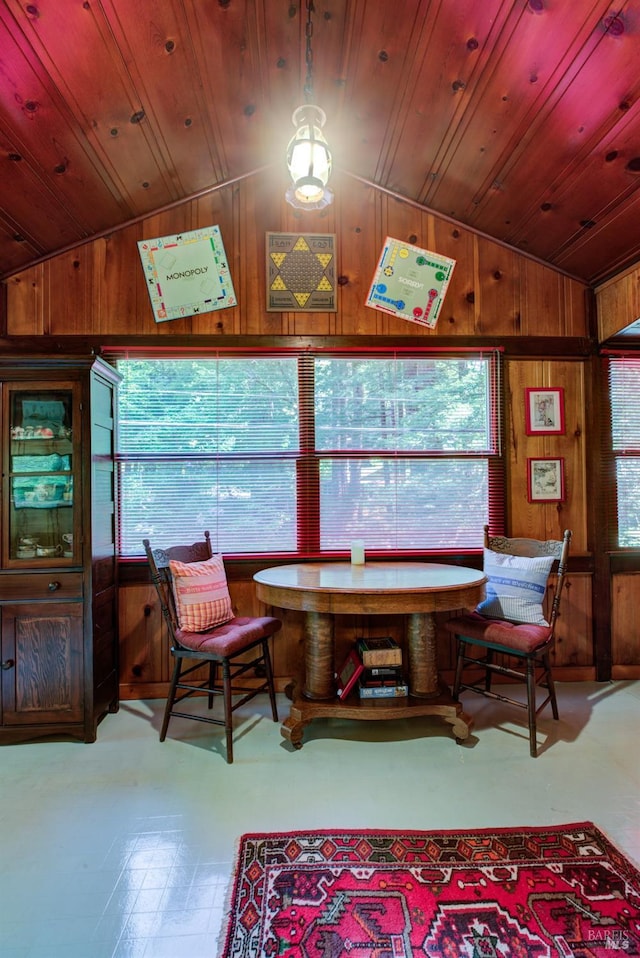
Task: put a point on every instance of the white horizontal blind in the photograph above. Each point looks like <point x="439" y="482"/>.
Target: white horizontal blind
<point x="298" y="454"/>
<point x="208" y="443"/>
<point x="624" y="392"/>
<point x="402" y="446"/>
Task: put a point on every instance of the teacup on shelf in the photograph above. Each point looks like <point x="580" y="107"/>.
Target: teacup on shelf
<point x="47" y="491"/>
<point x="48" y="551"/>
<point x="25" y="552"/>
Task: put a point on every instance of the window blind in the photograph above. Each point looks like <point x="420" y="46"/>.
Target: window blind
<point x="298" y="453"/>
<point x="624" y="389"/>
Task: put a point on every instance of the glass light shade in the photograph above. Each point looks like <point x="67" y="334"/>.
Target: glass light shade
<point x="309" y="159"/>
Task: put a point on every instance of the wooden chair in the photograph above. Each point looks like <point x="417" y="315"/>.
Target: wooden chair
<point x="237" y="646"/>
<point x="516" y="642"/>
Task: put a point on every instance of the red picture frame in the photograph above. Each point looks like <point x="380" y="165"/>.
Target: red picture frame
<point x="349" y="674"/>
<point x="544" y="411"/>
<point x="545" y="480"/>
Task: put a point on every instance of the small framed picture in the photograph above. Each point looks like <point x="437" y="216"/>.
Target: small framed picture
<point x="545" y="480"/>
<point x="544" y="410"/>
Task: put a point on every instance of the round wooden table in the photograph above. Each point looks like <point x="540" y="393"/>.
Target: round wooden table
<point x="415" y="589"/>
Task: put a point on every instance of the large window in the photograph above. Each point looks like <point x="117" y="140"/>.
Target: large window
<point x="624" y="389"/>
<point x="299" y="453"/>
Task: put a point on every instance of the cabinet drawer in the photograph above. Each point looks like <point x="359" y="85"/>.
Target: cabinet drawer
<point x="40" y="585"/>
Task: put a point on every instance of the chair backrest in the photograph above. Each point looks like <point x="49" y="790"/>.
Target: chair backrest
<point x="558" y="548"/>
<point x="158" y="560"/>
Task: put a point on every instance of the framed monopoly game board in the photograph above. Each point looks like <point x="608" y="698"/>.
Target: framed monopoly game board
<point x="187" y="274"/>
<point x="410" y="282"/>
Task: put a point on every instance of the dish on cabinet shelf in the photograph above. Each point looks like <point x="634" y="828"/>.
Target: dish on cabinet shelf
<point x="41" y="492"/>
<point x="50" y="463"/>
<point x="48" y="552"/>
<point x="27" y="433"/>
<point x="55" y="504"/>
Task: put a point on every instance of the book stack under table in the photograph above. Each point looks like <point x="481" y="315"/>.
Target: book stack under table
<point x="374" y="669"/>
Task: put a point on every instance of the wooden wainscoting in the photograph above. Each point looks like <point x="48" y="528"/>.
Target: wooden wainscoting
<point x="145" y="661"/>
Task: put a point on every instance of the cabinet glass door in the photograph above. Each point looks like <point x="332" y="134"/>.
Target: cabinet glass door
<point x="41" y="467"/>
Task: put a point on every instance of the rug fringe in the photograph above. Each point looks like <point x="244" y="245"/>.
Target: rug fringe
<point x="614" y="844"/>
<point x="225" y="927"/>
<point x="413" y="831"/>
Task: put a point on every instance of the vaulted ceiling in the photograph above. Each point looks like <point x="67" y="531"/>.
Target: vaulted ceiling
<point x="518" y="118"/>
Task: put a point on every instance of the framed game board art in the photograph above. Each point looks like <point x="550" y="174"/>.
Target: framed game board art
<point x="410" y="282"/>
<point x="187" y="274"/>
<point x="301" y="274"/>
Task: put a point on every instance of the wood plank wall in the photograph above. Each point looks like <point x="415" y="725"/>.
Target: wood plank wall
<point x="98" y="290"/>
<point x="618" y="303"/>
<point x="497" y="297"/>
<point x="618" y="307"/>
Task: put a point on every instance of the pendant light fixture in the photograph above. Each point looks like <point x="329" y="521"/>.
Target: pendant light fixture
<point x="308" y="153"/>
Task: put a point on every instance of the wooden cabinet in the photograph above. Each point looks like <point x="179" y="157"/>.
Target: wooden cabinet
<point x="58" y="583"/>
<point x="42" y="687"/>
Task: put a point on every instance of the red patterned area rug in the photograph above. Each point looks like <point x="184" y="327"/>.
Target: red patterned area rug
<point x="495" y="893"/>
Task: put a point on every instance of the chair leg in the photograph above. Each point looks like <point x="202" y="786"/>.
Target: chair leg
<point x="212" y="681"/>
<point x="531" y="706"/>
<point x="270" y="683"/>
<point x="546" y="661"/>
<point x="228" y="708"/>
<point x="459" y="666"/>
<point x="172" y="696"/>
<point x="488" y="674"/>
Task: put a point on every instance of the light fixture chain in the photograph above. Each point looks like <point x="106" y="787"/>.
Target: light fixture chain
<point x="308" y="153"/>
<point x="308" y="85"/>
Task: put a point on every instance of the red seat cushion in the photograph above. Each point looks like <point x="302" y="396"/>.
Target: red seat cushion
<point x="509" y="635"/>
<point x="230" y="638"/>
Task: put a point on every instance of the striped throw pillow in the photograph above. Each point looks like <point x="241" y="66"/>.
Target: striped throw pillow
<point x="516" y="587"/>
<point x="201" y="593"/>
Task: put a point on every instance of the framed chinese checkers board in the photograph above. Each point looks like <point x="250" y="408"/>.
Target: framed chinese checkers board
<point x="187" y="274"/>
<point x="301" y="274"/>
<point x="410" y="282"/>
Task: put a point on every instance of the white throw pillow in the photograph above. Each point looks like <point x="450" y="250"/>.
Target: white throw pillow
<point x="516" y="587"/>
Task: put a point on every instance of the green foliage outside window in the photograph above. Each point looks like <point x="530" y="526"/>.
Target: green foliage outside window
<point x="297" y="454"/>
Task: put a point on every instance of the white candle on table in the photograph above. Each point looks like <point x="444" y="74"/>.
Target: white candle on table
<point x="357" y="552"/>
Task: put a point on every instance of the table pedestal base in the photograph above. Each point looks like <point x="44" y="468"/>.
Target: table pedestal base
<point x="303" y="711"/>
<point x="323" y="590"/>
